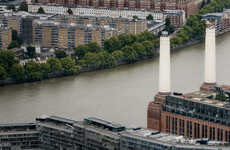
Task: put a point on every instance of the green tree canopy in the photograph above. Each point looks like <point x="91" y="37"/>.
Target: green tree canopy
<point x="93" y="47"/>
<point x="7" y="59"/>
<point x="23" y="7"/>
<point x="118" y="55"/>
<point x="112" y="44"/>
<point x="31" y="52"/>
<point x="68" y="66"/>
<point x="60" y="54"/>
<point x="149" y="17"/>
<point x="140" y="49"/>
<point x="41" y="11"/>
<point x="80" y="51"/>
<point x="130" y="54"/>
<point x="33" y="71"/>
<point x="55" y="65"/>
<point x="3" y="73"/>
<point x="149" y="48"/>
<point x="17" y="72"/>
<point x="70" y="11"/>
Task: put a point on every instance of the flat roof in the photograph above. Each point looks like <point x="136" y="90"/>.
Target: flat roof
<point x="57" y="119"/>
<point x="104" y="122"/>
<point x="206" y="97"/>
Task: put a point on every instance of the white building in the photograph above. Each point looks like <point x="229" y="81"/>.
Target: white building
<point x="100" y="12"/>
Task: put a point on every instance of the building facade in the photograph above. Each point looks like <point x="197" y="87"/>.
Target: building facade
<point x="189" y="6"/>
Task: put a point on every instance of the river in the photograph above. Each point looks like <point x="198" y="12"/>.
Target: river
<point x="120" y="95"/>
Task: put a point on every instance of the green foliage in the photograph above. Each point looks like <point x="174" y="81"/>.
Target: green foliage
<point x="101" y="60"/>
<point x="149" y="17"/>
<point x="93" y="47"/>
<point x="60" y="54"/>
<point x="33" y="71"/>
<point x="130" y="55"/>
<point x="31" y="52"/>
<point x="149" y="48"/>
<point x="127" y="39"/>
<point x="140" y="49"/>
<point x="70" y="11"/>
<point x="146" y="36"/>
<point x="68" y="66"/>
<point x="41" y="11"/>
<point x="23" y="7"/>
<point x="13" y="44"/>
<point x="55" y="65"/>
<point x="7" y="59"/>
<point x="80" y="51"/>
<point x="3" y="73"/>
<point x="17" y="72"/>
<point x="118" y="55"/>
<point x="45" y="69"/>
<point x="112" y="44"/>
<point x="11" y="7"/>
<point x="168" y="27"/>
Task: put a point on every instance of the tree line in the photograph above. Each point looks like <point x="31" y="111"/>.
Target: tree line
<point x="35" y="71"/>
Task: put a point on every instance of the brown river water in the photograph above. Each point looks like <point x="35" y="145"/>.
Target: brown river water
<point x="120" y="95"/>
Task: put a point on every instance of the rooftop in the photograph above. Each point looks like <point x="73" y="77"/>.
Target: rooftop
<point x="166" y="139"/>
<point x="209" y="97"/>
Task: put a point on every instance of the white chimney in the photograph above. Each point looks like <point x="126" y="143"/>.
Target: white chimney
<point x="165" y="66"/>
<point x="210" y="55"/>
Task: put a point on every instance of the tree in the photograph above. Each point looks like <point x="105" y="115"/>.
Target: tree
<point x="107" y="60"/>
<point x="17" y="72"/>
<point x="149" y="17"/>
<point x="70" y="11"/>
<point x="91" y="60"/>
<point x="127" y="39"/>
<point x="68" y="66"/>
<point x="60" y="54"/>
<point x="31" y="52"/>
<point x="149" y="48"/>
<point x="168" y="26"/>
<point x="41" y="11"/>
<point x="45" y="69"/>
<point x="7" y="59"/>
<point x="13" y="44"/>
<point x="112" y="44"/>
<point x="33" y="71"/>
<point x="11" y="7"/>
<point x="118" y="55"/>
<point x="23" y="7"/>
<point x="140" y="49"/>
<point x="93" y="47"/>
<point x="55" y="65"/>
<point x="130" y="54"/>
<point x="135" y="18"/>
<point x="3" y="74"/>
<point x="80" y="51"/>
<point x="146" y="36"/>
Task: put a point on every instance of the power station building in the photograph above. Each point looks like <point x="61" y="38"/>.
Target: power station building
<point x="201" y="114"/>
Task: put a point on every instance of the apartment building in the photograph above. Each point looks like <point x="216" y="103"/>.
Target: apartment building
<point x="19" y="136"/>
<point x="52" y="132"/>
<point x="189" y="6"/>
<point x="61" y="35"/>
<point x="5" y="37"/>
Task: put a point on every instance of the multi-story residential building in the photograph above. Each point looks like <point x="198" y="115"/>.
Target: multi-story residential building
<point x="5" y="37"/>
<point x="189" y="6"/>
<point x="61" y="35"/>
<point x="19" y="136"/>
<point x="97" y="12"/>
<point x="177" y="17"/>
<point x="56" y="133"/>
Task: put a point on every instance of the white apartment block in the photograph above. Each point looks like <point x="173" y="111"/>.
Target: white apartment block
<point x="100" y="12"/>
